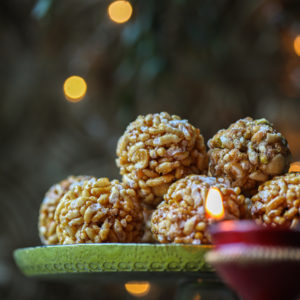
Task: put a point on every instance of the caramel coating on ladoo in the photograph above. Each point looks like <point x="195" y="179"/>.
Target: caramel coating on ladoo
<point x="277" y="202"/>
<point x="47" y="224"/>
<point x="156" y="150"/>
<point x="181" y="218"/>
<point x="147" y="236"/>
<point x="99" y="211"/>
<point x="248" y="153"/>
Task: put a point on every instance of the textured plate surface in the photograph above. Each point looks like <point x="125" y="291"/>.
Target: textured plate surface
<point x="115" y="260"/>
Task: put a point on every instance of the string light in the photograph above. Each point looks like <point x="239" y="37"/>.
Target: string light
<point x="297" y="45"/>
<point x="120" y="11"/>
<point x="74" y="88"/>
<point x="138" y="289"/>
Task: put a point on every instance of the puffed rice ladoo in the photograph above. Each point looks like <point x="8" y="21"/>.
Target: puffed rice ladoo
<point x="100" y="211"/>
<point x="248" y="153"/>
<point x="181" y="218"/>
<point x="47" y="225"/>
<point x="277" y="202"/>
<point x="156" y="150"/>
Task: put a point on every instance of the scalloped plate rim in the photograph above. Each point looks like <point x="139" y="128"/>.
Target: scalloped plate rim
<point x="106" y="258"/>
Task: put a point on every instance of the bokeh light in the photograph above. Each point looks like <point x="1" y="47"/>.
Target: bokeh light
<point x="120" y="11"/>
<point x="297" y="45"/>
<point x="295" y="167"/>
<point x="74" y="88"/>
<point x="138" y="289"/>
<point x="197" y="297"/>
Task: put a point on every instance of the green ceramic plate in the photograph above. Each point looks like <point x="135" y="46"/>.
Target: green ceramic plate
<point x="114" y="261"/>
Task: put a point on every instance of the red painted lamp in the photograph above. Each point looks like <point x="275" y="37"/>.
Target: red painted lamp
<point x="259" y="263"/>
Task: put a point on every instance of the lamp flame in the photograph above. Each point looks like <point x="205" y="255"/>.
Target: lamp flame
<point x="214" y="207"/>
<point x="295" y="167"/>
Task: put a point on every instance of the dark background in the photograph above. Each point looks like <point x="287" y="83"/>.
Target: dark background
<point x="211" y="62"/>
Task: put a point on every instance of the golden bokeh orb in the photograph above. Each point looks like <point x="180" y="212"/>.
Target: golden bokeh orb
<point x="74" y="88"/>
<point x="297" y="45"/>
<point x="138" y="289"/>
<point x="295" y="167"/>
<point x="120" y="11"/>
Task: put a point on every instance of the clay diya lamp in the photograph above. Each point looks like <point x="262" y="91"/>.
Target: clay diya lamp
<point x="259" y="263"/>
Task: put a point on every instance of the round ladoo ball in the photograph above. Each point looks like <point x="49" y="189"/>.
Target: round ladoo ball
<point x="100" y="211"/>
<point x="47" y="224"/>
<point x="156" y="150"/>
<point x="248" y="153"/>
<point x="181" y="217"/>
<point x="277" y="202"/>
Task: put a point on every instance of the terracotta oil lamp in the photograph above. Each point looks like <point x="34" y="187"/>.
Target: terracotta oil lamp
<point x="259" y="263"/>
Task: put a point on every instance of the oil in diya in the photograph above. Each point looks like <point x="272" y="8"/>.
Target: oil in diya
<point x="258" y="262"/>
